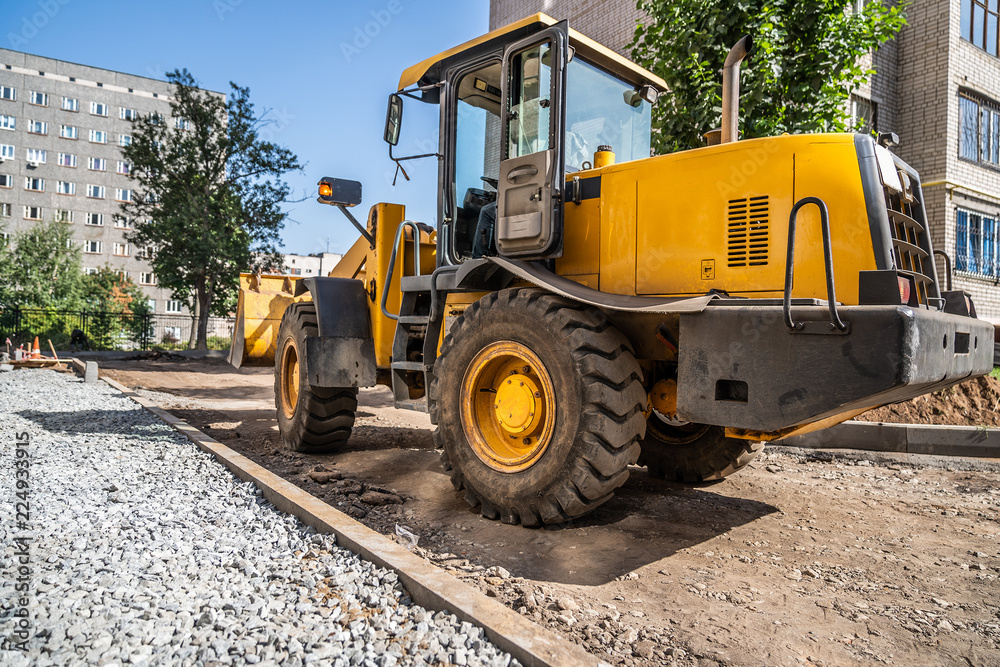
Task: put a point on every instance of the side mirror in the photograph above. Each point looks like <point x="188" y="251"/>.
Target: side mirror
<point x="393" y="119"/>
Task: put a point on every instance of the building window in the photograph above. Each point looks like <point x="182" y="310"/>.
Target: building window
<point x="128" y="114"/>
<point x="174" y="306"/>
<point x="97" y="164"/>
<point x="92" y="247"/>
<point x="152" y="305"/>
<point x="62" y="215"/>
<point x="979" y="24"/>
<point x="66" y="188"/>
<point x="89" y="271"/>
<point x="95" y="219"/>
<point x="123" y="168"/>
<point x="122" y="194"/>
<point x="145" y="252"/>
<point x="95" y="191"/>
<point x="864" y="113"/>
<point x="976" y="243"/>
<point x="98" y="109"/>
<point x="7" y="122"/>
<point x="181" y="123"/>
<point x="67" y="131"/>
<point x="6" y="210"/>
<point x="121" y="249"/>
<point x="70" y="104"/>
<point x="147" y="278"/>
<point x="36" y="155"/>
<point x="36" y="184"/>
<point x="123" y="222"/>
<point x="6" y="181"/>
<point x="98" y="137"/>
<point x="6" y="151"/>
<point x="32" y="212"/>
<point x="67" y="160"/>
<point x="38" y="99"/>
<point x="124" y="140"/>
<point x="979" y="130"/>
<point x="38" y="127"/>
<point x="155" y="118"/>
<point x="8" y="93"/>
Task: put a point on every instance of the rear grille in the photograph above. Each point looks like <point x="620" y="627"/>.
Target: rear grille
<point x="748" y="233"/>
<point x="910" y="247"/>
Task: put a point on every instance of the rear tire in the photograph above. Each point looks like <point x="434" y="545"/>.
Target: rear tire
<point x="694" y="453"/>
<point x="310" y="419"/>
<point x="573" y="387"/>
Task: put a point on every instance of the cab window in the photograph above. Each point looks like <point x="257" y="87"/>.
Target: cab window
<point x="603" y="110"/>
<point x="477" y="151"/>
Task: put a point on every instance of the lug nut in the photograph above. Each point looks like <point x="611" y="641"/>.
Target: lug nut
<point x="538" y="394"/>
<point x="527" y="441"/>
<point x="526" y="369"/>
<point x="520" y="384"/>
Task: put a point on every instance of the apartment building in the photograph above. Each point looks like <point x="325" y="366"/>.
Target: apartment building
<point x="314" y="264"/>
<point x="937" y="86"/>
<point x="62" y="126"/>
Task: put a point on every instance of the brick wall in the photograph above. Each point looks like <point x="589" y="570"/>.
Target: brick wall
<point x="610" y="22"/>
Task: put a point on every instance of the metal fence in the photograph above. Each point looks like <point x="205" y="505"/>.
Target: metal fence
<point x="107" y="331"/>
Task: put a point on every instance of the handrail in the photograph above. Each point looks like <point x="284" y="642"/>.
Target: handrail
<point x="947" y="265"/>
<point x="392" y="262"/>
<point x="824" y="217"/>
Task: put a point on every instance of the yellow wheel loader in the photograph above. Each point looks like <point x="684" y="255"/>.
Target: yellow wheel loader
<point x="580" y="306"/>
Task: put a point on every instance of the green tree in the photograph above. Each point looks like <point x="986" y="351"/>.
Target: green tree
<point x="119" y="308"/>
<point x="806" y="62"/>
<point x="208" y="194"/>
<point x="41" y="269"/>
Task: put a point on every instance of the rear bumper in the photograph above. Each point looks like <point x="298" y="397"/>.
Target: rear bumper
<point x="738" y="366"/>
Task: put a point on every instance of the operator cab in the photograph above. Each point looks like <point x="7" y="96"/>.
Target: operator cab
<point x="523" y="107"/>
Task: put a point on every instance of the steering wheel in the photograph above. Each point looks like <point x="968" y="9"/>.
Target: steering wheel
<point x="493" y="182"/>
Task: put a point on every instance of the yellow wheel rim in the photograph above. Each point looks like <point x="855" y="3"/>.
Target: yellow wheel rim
<point x="508" y="406"/>
<point x="289" y="379"/>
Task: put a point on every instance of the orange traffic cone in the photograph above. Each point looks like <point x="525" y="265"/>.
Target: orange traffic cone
<point x="36" y="352"/>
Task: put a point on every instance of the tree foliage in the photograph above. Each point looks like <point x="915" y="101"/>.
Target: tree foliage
<point x="41" y="269"/>
<point x="107" y="290"/>
<point x="805" y="64"/>
<point x="208" y="194"/>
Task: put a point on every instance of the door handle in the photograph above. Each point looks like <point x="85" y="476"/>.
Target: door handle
<point x="526" y="170"/>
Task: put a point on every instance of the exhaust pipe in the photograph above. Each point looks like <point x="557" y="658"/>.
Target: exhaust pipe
<point x="731" y="89"/>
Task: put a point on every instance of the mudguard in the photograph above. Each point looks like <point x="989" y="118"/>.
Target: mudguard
<point x="343" y="354"/>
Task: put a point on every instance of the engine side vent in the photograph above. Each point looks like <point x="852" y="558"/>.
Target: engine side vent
<point x="749" y="231"/>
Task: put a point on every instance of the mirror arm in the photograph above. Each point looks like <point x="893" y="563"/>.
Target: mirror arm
<point x="358" y="225"/>
<point x="398" y="160"/>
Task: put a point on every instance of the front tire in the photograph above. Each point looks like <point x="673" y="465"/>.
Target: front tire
<point x="539" y="405"/>
<point x="310" y="419"/>
<point x="693" y="453"/>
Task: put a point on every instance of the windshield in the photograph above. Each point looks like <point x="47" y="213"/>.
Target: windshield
<point x="597" y="113"/>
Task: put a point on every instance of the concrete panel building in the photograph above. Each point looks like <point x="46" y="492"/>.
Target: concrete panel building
<point x="62" y="126"/>
<point x="937" y="86"/>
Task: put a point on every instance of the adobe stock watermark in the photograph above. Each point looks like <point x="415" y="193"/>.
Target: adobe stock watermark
<point x="30" y="25"/>
<point x="19" y="571"/>
<point x="364" y="34"/>
<point x="223" y="7"/>
<point x="274" y="122"/>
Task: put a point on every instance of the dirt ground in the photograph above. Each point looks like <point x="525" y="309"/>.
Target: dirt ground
<point x="803" y="558"/>
<point x="972" y="403"/>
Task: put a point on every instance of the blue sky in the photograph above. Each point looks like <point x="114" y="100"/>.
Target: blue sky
<point x="325" y="70"/>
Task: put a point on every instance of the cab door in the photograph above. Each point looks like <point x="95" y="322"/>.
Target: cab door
<point x="532" y="170"/>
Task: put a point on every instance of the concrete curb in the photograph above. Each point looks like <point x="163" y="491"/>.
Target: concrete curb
<point x="428" y="585"/>
<point x="903" y="439"/>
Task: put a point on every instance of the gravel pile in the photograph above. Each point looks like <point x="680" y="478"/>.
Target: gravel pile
<point x="144" y="550"/>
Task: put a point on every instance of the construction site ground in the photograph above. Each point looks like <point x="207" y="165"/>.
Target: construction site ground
<point x="803" y="558"/>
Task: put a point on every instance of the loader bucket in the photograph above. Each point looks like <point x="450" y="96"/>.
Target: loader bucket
<point x="262" y="302"/>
